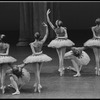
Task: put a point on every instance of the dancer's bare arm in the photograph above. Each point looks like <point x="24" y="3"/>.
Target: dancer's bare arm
<point x="92" y="28"/>
<point x="65" y="30"/>
<point x="32" y="47"/>
<point x="46" y="35"/>
<point x="48" y="19"/>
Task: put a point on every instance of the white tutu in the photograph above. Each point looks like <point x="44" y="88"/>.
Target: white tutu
<point x="37" y="58"/>
<point x="58" y="43"/>
<point x="92" y="43"/>
<point x="24" y="79"/>
<point x="83" y="60"/>
<point x="7" y="59"/>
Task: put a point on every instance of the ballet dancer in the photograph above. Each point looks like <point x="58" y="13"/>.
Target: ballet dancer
<point x="94" y="43"/>
<point x="38" y="57"/>
<point x="61" y="41"/>
<point x="78" y="58"/>
<point x="19" y="76"/>
<point x="5" y="60"/>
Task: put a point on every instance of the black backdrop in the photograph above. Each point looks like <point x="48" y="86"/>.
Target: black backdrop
<point x="78" y="17"/>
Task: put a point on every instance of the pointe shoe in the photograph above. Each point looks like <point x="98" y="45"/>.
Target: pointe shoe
<point x="3" y="89"/>
<point x="17" y="92"/>
<point x="61" y="73"/>
<point x="70" y="67"/>
<point x="97" y="72"/>
<point x="10" y="85"/>
<point x="61" y="70"/>
<point x="77" y="75"/>
<point x="35" y="85"/>
<point x="38" y="88"/>
<point x="95" y="68"/>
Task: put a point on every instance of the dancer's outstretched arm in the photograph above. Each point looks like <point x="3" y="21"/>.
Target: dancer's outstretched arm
<point x="65" y="30"/>
<point x="32" y="48"/>
<point x="48" y="19"/>
<point x="46" y="35"/>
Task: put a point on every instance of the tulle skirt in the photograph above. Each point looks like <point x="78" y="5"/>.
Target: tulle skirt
<point x="58" y="43"/>
<point x="92" y="43"/>
<point x="24" y="79"/>
<point x="7" y="59"/>
<point x="83" y="60"/>
<point x="37" y="58"/>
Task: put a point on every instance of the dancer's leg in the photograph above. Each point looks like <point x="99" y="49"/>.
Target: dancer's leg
<point x="99" y="61"/>
<point x="35" y="68"/>
<point x="40" y="66"/>
<point x="2" y="79"/>
<point x="38" y="86"/>
<point x="76" y="66"/>
<point x="63" y="50"/>
<point x="60" y="60"/>
<point x="14" y="85"/>
<point x="95" y="50"/>
<point x="58" y="52"/>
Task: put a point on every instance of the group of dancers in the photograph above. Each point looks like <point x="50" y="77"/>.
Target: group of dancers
<point x="19" y="76"/>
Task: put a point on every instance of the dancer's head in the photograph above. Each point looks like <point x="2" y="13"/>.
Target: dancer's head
<point x="37" y="35"/>
<point x="97" y="21"/>
<point x="77" y="51"/>
<point x="58" y="23"/>
<point x="1" y="36"/>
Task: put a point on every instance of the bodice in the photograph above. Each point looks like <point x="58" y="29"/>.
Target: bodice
<point x="60" y="32"/>
<point x="38" y="46"/>
<point x="3" y="48"/>
<point x="97" y="31"/>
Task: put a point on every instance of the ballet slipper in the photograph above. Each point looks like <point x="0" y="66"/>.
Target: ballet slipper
<point x="61" y="73"/>
<point x="10" y="85"/>
<point x="38" y="88"/>
<point x="61" y="69"/>
<point x="36" y="85"/>
<point x="17" y="92"/>
<point x="95" y="68"/>
<point x="35" y="89"/>
<point x="77" y="75"/>
<point x="97" y="72"/>
<point x="3" y="89"/>
<point x="70" y="67"/>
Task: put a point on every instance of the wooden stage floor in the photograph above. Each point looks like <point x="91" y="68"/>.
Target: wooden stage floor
<point x="54" y="86"/>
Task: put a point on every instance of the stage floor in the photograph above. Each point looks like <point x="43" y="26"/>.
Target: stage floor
<point x="54" y="86"/>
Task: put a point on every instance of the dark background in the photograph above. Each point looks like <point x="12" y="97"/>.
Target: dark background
<point x="78" y="17"/>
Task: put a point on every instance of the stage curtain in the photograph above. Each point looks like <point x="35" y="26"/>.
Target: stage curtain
<point x="32" y="14"/>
